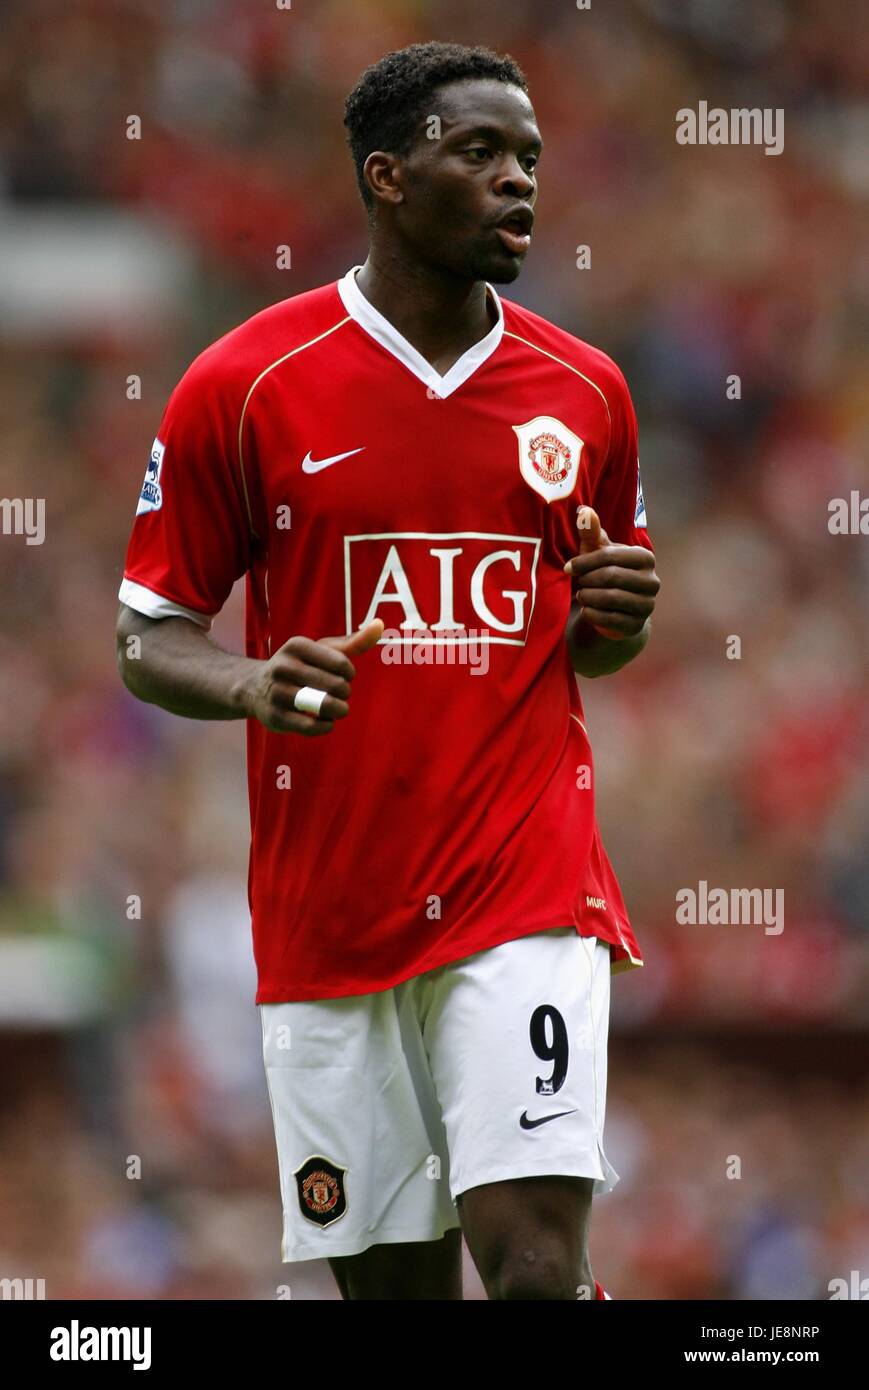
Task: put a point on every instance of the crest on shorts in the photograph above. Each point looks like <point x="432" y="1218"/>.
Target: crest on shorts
<point x="321" y="1189"/>
<point x="548" y="456"/>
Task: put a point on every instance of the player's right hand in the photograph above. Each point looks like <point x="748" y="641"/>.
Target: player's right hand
<point x="323" y="664"/>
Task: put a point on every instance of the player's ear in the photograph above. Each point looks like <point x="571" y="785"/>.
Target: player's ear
<point x="383" y="175"/>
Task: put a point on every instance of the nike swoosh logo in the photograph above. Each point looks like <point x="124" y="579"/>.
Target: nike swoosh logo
<point x="310" y="465"/>
<point x="525" y="1123"/>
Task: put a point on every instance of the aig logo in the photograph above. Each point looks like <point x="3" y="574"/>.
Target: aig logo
<point x="446" y="582"/>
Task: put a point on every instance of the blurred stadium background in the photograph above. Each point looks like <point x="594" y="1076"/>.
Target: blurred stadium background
<point x="126" y="257"/>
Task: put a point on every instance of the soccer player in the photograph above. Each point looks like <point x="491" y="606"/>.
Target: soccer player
<point x="434" y="496"/>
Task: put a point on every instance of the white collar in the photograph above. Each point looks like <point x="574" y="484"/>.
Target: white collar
<point x="369" y="318"/>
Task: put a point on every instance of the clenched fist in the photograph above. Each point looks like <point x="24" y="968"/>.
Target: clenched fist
<point x="324" y="665"/>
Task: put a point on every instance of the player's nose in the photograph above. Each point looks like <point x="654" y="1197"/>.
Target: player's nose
<point x="514" y="180"/>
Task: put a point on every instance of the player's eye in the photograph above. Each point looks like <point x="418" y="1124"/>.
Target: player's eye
<point x="479" y="152"/>
<point x="530" y="163"/>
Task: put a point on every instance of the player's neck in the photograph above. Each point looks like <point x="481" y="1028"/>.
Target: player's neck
<point x="441" y="316"/>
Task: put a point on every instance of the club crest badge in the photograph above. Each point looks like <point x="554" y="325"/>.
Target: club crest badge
<point x="321" y="1192"/>
<point x="548" y="456"/>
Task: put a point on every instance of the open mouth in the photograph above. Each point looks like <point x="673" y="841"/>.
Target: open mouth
<point x="515" y="232"/>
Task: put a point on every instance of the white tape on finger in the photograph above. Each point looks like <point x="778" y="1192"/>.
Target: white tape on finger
<point x="309" y="700"/>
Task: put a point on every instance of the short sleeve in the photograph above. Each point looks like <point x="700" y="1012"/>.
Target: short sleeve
<point x="617" y="491"/>
<point x="191" y="536"/>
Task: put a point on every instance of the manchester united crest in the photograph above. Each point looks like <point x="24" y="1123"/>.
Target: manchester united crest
<point x="320" y="1187"/>
<point x="548" y="456"/>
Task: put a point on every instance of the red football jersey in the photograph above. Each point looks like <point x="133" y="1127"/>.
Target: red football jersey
<point x="315" y="451"/>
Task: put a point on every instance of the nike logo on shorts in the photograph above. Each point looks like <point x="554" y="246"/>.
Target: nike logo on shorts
<point x="310" y="465"/>
<point x="525" y="1123"/>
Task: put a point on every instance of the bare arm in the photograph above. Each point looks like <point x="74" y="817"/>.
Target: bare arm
<point x="173" y="663"/>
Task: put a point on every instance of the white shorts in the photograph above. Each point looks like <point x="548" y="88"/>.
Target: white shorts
<point x="387" y="1106"/>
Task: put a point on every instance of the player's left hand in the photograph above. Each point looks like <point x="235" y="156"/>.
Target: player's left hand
<point x="618" y="583"/>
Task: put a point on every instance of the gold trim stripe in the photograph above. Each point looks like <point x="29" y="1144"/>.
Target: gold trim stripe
<point x="265" y="371"/>
<point x="561" y="362"/>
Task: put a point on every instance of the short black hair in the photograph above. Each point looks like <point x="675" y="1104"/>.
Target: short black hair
<point x="393" y="95"/>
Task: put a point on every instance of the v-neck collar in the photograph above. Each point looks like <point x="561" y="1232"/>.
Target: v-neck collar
<point x="374" y="323"/>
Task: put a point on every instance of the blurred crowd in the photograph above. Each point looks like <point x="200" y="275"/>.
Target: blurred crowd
<point x="127" y="1024"/>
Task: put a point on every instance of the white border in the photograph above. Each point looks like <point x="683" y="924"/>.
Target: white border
<point x="378" y="327"/>
<point x="154" y="605"/>
<point x="488" y="639"/>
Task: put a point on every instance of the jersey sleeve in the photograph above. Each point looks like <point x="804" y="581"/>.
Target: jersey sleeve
<point x="191" y="536"/>
<point x="617" y="490"/>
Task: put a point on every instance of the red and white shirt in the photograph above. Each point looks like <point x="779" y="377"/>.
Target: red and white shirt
<point x="315" y="451"/>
